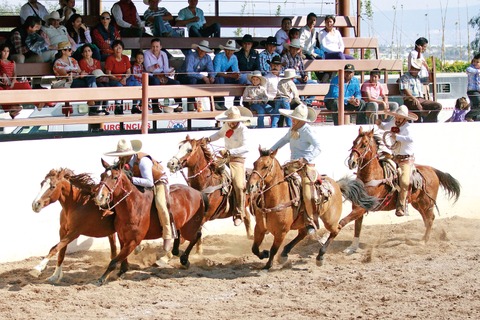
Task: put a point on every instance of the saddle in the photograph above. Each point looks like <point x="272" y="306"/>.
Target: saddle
<point x="392" y="174"/>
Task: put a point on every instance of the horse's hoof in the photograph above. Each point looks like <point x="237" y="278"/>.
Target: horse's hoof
<point x="186" y="265"/>
<point x="54" y="279"/>
<point x="99" y="283"/>
<point x="138" y="249"/>
<point x="350" y="250"/>
<point x="35" y="273"/>
<point x="320" y="262"/>
<point x="265" y="254"/>
<point x="282" y="259"/>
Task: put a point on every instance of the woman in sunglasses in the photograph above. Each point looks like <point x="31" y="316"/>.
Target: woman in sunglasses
<point x="104" y="34"/>
<point x="66" y="68"/>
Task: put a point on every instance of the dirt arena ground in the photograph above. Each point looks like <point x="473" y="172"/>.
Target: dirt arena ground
<point x="393" y="276"/>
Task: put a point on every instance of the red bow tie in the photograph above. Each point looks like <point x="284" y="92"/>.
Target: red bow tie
<point x="395" y="129"/>
<point x="229" y="133"/>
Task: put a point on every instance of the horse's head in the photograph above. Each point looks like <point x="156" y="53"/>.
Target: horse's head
<point x="50" y="188"/>
<point x="110" y="183"/>
<point x="187" y="155"/>
<point x="363" y="149"/>
<point x="263" y="171"/>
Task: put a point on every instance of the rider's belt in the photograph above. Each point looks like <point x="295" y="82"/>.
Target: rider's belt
<point x="400" y="157"/>
<point x="237" y="159"/>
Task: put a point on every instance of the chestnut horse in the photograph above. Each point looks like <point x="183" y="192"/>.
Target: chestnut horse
<point x="363" y="156"/>
<point x="202" y="175"/>
<point x="275" y="208"/>
<point x="79" y="216"/>
<point x="136" y="218"/>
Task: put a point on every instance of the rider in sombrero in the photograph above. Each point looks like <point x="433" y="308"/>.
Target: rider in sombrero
<point x="234" y="132"/>
<point x="403" y="150"/>
<point x="304" y="146"/>
<point x="146" y="172"/>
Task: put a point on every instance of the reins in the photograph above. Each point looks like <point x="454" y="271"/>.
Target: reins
<point x="110" y="193"/>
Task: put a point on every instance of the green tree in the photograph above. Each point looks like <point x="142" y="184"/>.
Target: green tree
<point x="475" y="23"/>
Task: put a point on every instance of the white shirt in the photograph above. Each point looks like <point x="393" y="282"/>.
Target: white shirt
<point x="405" y="145"/>
<point x="331" y="42"/>
<point x="117" y="13"/>
<point x="308" y="40"/>
<point x="27" y="10"/>
<point x="281" y="37"/>
<point x="237" y="143"/>
<point x="151" y="60"/>
<point x="413" y="55"/>
<point x="272" y="85"/>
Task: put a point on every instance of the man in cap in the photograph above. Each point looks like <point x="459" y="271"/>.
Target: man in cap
<point x="353" y="96"/>
<point x="403" y="150"/>
<point x="148" y="173"/>
<point x="304" y="146"/>
<point x="193" y="18"/>
<point x="234" y="132"/>
<point x="196" y="63"/>
<point x="267" y="55"/>
<point x="412" y="91"/>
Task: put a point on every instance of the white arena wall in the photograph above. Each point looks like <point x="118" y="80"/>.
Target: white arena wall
<point x="450" y="147"/>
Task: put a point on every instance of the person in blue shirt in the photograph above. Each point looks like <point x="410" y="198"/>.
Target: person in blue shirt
<point x="195" y="63"/>
<point x="193" y="18"/>
<point x="267" y="55"/>
<point x="304" y="146"/>
<point x="353" y="96"/>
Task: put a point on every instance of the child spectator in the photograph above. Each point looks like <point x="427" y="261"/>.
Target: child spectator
<point x="287" y="94"/>
<point x="473" y="89"/>
<point x="255" y="96"/>
<point x="136" y="79"/>
<point x="461" y="110"/>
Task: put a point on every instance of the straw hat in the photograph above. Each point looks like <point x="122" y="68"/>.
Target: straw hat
<point x="126" y="148"/>
<point x="64" y="45"/>
<point x="417" y="63"/>
<point x="290" y="74"/>
<point x="295" y="43"/>
<point x="230" y="45"/>
<point x="203" y="45"/>
<point x="402" y="112"/>
<point x="235" y="114"/>
<point x="301" y="112"/>
<point x="54" y="15"/>
<point x="98" y="73"/>
<point x="257" y="74"/>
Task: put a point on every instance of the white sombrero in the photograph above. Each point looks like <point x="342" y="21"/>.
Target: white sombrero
<point x="98" y="73"/>
<point x="402" y="112"/>
<point x="290" y="74"/>
<point x="230" y="45"/>
<point x="235" y="114"/>
<point x="126" y="148"/>
<point x="258" y="74"/>
<point x="54" y="15"/>
<point x="295" y="43"/>
<point x="416" y="63"/>
<point x="204" y="45"/>
<point x="301" y="112"/>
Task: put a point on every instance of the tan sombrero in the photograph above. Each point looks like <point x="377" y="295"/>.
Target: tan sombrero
<point x="258" y="74"/>
<point x="416" y="63"/>
<point x="204" y="45"/>
<point x="402" y="112"/>
<point x="295" y="43"/>
<point x="301" y="112"/>
<point x="235" y="114"/>
<point x="230" y="45"/>
<point x="290" y="74"/>
<point x="126" y="148"/>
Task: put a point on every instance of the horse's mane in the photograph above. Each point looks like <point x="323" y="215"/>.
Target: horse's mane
<point x="265" y="152"/>
<point x="82" y="181"/>
<point x="209" y="156"/>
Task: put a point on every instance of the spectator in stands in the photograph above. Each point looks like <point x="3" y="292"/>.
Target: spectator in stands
<point x="473" y="89"/>
<point x="462" y="108"/>
<point x="197" y="68"/>
<point x="353" y="96"/>
<point x="92" y="66"/>
<point x="158" y="19"/>
<point x="193" y="18"/>
<point x="255" y="97"/>
<point x="421" y="45"/>
<point x="67" y="9"/>
<point x="104" y="34"/>
<point x="413" y="97"/>
<point x="287" y="96"/>
<point x="225" y="65"/>
<point x="272" y="78"/>
<point x="9" y="81"/>
<point x="282" y="34"/>
<point x="375" y="96"/>
<point x="156" y="63"/>
<point x="22" y="39"/>
<point x="127" y="19"/>
<point x="117" y="68"/>
<point x="55" y="32"/>
<point x="33" y="8"/>
<point x="138" y="68"/>
<point x="80" y="33"/>
<point x="267" y="55"/>
<point x="248" y="57"/>
<point x="331" y="41"/>
<point x="308" y="39"/>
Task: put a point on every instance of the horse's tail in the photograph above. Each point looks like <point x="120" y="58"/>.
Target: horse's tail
<point x="354" y="191"/>
<point x="449" y="184"/>
<point x="206" y="203"/>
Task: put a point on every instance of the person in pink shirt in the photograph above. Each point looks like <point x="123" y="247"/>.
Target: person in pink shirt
<point x="375" y="94"/>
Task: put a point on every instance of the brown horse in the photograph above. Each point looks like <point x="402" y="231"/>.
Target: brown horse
<point x="364" y="156"/>
<point x="136" y="218"/>
<point x="276" y="210"/>
<point x="202" y="175"/>
<point x="79" y="216"/>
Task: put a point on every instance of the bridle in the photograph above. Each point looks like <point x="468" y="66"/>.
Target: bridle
<point x="361" y="156"/>
<point x="111" y="191"/>
<point x="187" y="178"/>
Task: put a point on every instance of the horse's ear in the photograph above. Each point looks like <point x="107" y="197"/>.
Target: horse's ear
<point x="360" y="130"/>
<point x="372" y="132"/>
<point x="105" y="164"/>
<point x="188" y="137"/>
<point x="260" y="149"/>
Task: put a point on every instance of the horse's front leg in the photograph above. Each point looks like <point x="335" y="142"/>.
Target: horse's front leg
<point x="113" y="245"/>
<point x="184" y="258"/>
<point x="248" y="222"/>
<point x="283" y="258"/>
<point x="277" y="242"/>
<point x="259" y="235"/>
<point x="125" y="251"/>
<point x="323" y="249"/>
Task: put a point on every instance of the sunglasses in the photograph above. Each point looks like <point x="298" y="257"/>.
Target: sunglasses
<point x="67" y="49"/>
<point x="105" y="18"/>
